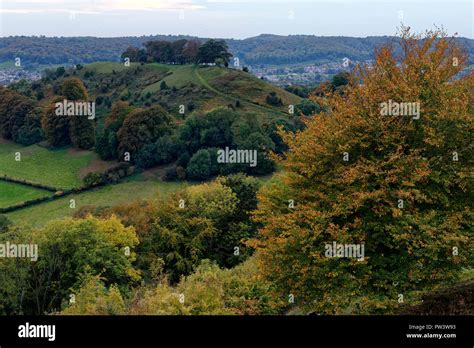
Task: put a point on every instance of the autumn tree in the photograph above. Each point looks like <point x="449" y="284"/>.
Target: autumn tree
<point x="190" y="51"/>
<point x="19" y="119"/>
<point x="82" y="128"/>
<point x="94" y="298"/>
<point x="62" y="129"/>
<point x="107" y="141"/>
<point x="74" y="89"/>
<point x="55" y="127"/>
<point x="396" y="184"/>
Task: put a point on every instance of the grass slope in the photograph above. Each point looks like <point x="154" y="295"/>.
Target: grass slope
<point x="12" y="193"/>
<point x="58" y="168"/>
<point x="205" y="87"/>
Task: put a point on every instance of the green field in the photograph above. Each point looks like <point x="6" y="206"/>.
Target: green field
<point x="126" y="192"/>
<point x="11" y="193"/>
<point x="58" y="168"/>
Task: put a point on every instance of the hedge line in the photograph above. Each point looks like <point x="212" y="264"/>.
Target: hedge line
<point x="108" y="178"/>
<point x="29" y="183"/>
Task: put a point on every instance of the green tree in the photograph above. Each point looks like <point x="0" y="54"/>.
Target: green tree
<point x="340" y="79"/>
<point x="212" y="50"/>
<point x="107" y="141"/>
<point x="141" y="127"/>
<point x="69" y="249"/>
<point x="82" y="129"/>
<point x="199" y="167"/>
<point x="94" y="298"/>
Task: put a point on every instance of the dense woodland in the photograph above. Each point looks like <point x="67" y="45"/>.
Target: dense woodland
<point x="230" y="246"/>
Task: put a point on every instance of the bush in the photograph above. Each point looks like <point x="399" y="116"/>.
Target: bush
<point x="94" y="179"/>
<point x="110" y="176"/>
<point x="307" y="107"/>
<point x="184" y="159"/>
<point x="181" y="172"/>
<point x="191" y="106"/>
<point x="210" y="291"/>
<point x="5" y="223"/>
<point x="273" y="99"/>
<point x="199" y="167"/>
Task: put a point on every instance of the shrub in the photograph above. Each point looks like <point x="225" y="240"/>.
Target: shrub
<point x="199" y="167"/>
<point x="94" y="179"/>
<point x="273" y="99"/>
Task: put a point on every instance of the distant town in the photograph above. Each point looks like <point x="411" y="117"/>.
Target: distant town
<point x="310" y="74"/>
<point x="8" y="76"/>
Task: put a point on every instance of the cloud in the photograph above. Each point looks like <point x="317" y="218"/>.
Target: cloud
<point x="94" y="6"/>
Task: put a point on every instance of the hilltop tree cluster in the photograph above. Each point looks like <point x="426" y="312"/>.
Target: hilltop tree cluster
<point x="180" y="52"/>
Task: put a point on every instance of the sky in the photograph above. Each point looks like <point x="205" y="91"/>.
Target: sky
<point x="232" y="18"/>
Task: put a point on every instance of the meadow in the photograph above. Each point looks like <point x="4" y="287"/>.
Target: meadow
<point x="12" y="193"/>
<point x="58" y="168"/>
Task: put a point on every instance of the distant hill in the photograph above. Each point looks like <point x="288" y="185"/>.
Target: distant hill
<point x="260" y="50"/>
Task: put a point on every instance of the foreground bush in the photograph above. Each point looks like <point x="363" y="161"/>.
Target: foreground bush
<point x="208" y="291"/>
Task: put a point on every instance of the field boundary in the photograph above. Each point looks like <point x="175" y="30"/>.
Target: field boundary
<point x="56" y="195"/>
<point x="29" y="183"/>
<point x="60" y="193"/>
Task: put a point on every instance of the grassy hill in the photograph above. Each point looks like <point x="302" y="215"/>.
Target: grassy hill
<point x="197" y="88"/>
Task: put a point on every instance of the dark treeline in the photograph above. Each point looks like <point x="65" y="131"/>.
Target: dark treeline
<point x="259" y="50"/>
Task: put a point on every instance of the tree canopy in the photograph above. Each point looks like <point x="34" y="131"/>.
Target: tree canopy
<point x="396" y="184"/>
